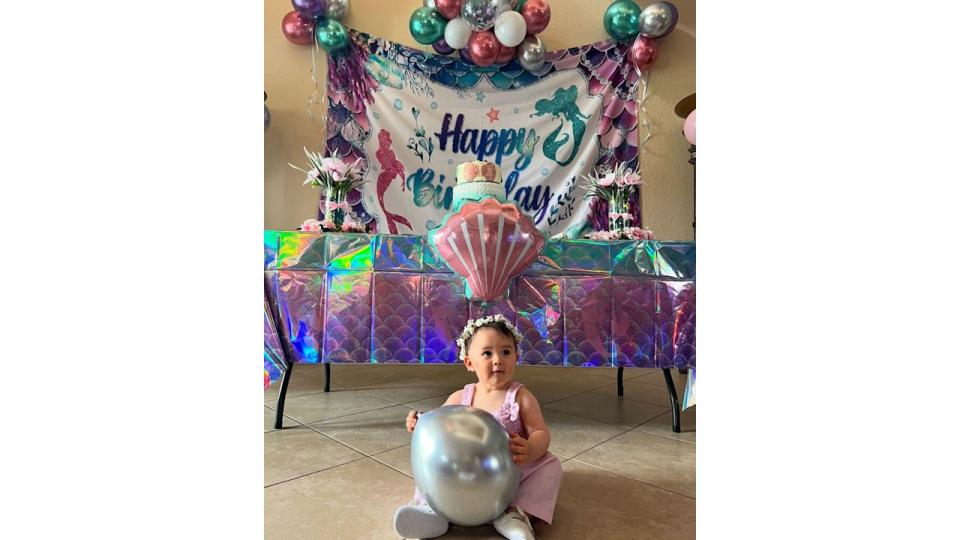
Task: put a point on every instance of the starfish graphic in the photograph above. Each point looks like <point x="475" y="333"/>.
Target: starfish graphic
<point x="493" y="115"/>
<point x="480" y="97"/>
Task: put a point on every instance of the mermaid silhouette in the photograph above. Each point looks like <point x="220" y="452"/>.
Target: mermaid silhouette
<point x="391" y="168"/>
<point x="564" y="103"/>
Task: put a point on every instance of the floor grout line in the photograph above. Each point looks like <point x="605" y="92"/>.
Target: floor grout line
<point x="631" y="399"/>
<point x="341" y="415"/>
<point x="615" y="473"/>
<point x="350" y="447"/>
<point x="374" y="457"/>
<point x="392" y="404"/>
<point x="317" y="471"/>
<point x="663" y="436"/>
<point x="545" y="405"/>
<point x="599" y="443"/>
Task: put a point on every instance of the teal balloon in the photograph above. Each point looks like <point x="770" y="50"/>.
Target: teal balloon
<point x="332" y="36"/>
<point x="622" y="20"/>
<point x="427" y="25"/>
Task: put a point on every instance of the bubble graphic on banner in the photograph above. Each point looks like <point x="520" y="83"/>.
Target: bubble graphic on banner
<point x="376" y="115"/>
<point x="433" y="105"/>
<point x="545" y="171"/>
<point x="450" y="162"/>
<point x="398" y="104"/>
<point x="516" y="110"/>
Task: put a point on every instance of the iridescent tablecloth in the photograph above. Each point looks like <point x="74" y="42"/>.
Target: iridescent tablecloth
<point x="352" y="298"/>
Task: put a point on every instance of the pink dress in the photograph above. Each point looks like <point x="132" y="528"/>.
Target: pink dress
<point x="540" y="480"/>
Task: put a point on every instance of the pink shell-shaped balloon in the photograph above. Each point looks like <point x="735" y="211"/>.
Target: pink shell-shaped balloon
<point x="488" y="243"/>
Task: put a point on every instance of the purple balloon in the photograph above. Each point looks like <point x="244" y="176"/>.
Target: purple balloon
<point x="442" y="47"/>
<point x="465" y="55"/>
<point x="310" y="8"/>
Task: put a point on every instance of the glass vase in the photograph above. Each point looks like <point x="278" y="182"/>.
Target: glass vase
<point x="619" y="216"/>
<point x="335" y="206"/>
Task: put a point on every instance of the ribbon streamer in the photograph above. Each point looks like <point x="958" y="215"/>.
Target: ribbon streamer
<point x="317" y="96"/>
<point x="642" y="117"/>
<point x="342" y="205"/>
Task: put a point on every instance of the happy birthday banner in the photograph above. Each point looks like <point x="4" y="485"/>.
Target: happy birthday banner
<point x="410" y="118"/>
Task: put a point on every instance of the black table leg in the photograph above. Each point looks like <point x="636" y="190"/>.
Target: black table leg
<point x="326" y="374"/>
<point x="674" y="404"/>
<point x="620" y="381"/>
<point x="287" y="373"/>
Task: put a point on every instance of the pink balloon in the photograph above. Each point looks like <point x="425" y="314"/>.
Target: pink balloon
<point x="643" y="53"/>
<point x="484" y="48"/>
<point x="506" y="54"/>
<point x="537" y="15"/>
<point x="509" y="249"/>
<point x="297" y="28"/>
<point x="690" y="128"/>
<point x="450" y="9"/>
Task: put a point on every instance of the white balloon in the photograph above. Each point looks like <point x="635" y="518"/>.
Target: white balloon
<point x="510" y="28"/>
<point x="457" y="33"/>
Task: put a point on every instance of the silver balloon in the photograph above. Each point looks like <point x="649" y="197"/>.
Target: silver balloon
<point x="337" y="9"/>
<point x="481" y="14"/>
<point x="462" y="464"/>
<point x="430" y="4"/>
<point x="657" y="20"/>
<point x="531" y="54"/>
<point x="506" y="5"/>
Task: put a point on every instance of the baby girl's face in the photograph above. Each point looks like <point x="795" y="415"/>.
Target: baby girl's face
<point x="493" y="356"/>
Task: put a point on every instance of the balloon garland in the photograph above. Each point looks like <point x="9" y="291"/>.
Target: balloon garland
<point x="318" y="21"/>
<point x="625" y="20"/>
<point x="485" y="32"/>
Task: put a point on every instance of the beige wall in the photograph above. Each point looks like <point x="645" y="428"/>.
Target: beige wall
<point x="667" y="196"/>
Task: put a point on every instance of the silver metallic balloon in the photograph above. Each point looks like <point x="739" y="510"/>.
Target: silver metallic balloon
<point x="506" y="5"/>
<point x="480" y="14"/>
<point x="657" y="20"/>
<point x="462" y="464"/>
<point x="430" y="4"/>
<point x="337" y="9"/>
<point x="531" y="54"/>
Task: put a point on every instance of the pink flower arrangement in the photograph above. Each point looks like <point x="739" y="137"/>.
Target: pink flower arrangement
<point x="629" y="233"/>
<point x="349" y="225"/>
<point x="311" y="225"/>
<point x="613" y="185"/>
<point x="630" y="179"/>
<point x="335" y="167"/>
<point x="337" y="178"/>
<point x="330" y="172"/>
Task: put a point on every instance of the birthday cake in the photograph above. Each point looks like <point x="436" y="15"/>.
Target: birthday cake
<point x="478" y="180"/>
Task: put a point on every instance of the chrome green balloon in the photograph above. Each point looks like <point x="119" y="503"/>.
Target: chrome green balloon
<point x="332" y="36"/>
<point x="427" y="25"/>
<point x="622" y="20"/>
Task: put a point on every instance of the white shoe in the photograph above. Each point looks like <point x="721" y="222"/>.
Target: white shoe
<point x="514" y="525"/>
<point x="419" y="522"/>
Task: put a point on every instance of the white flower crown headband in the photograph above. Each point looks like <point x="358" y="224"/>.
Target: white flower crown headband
<point x="474" y="324"/>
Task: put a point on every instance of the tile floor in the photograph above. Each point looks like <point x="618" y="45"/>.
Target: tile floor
<point x="341" y="465"/>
